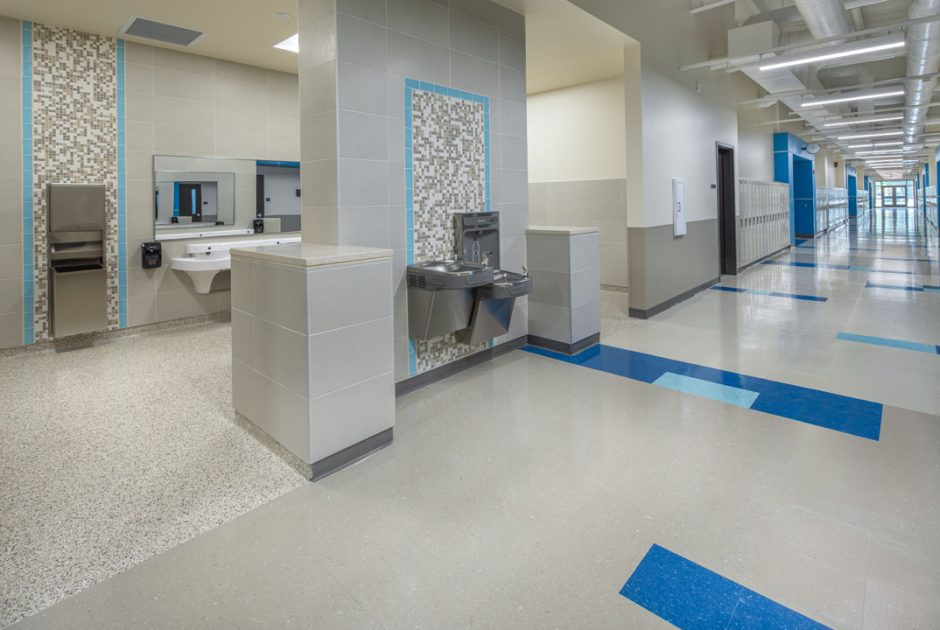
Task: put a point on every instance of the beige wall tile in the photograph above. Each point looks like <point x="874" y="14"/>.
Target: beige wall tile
<point x="283" y="95"/>
<point x="138" y="78"/>
<point x="180" y="304"/>
<point x="234" y="119"/>
<point x="242" y="145"/>
<point x="169" y="110"/>
<point x="139" y="136"/>
<point x="181" y="140"/>
<point x="284" y="147"/>
<point x="11" y="295"/>
<point x="138" y="53"/>
<point x="10" y="194"/>
<point x="10" y="91"/>
<point x="139" y="107"/>
<point x="11" y="261"/>
<point x="169" y="82"/>
<point x="175" y="60"/>
<point x="11" y="228"/>
<point x="240" y="85"/>
<point x="141" y="310"/>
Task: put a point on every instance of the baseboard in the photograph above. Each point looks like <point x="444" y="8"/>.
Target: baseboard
<point x="350" y="455"/>
<point x="437" y="374"/>
<point x="640" y="313"/>
<point x="566" y="348"/>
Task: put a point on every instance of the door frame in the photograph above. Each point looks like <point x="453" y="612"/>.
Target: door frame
<point x="727" y="212"/>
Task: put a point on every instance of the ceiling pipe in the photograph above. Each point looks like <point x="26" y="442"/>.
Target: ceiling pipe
<point x="923" y="57"/>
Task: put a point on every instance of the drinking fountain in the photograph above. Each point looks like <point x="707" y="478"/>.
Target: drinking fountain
<point x="468" y="295"/>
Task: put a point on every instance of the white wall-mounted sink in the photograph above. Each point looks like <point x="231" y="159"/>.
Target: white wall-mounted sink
<point x="203" y="260"/>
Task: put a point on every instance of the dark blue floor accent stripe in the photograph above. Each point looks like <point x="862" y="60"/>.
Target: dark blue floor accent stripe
<point x="780" y="294"/>
<point x="797" y="263"/>
<point x="822" y="409"/>
<point x="899" y="287"/>
<point x="691" y="597"/>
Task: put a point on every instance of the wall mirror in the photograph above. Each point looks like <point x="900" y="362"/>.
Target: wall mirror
<point x="212" y="195"/>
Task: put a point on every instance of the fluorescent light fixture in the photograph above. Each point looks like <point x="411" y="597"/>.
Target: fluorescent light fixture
<point x="863" y="121"/>
<point x="852" y="96"/>
<point x="836" y="52"/>
<point x="291" y="44"/>
<point x="873" y="134"/>
<point x="871" y="145"/>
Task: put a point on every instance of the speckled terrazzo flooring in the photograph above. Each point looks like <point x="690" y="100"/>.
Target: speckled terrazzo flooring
<point x="114" y="453"/>
<point x="615" y="307"/>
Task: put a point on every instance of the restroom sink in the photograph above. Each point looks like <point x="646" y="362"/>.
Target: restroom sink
<point x="204" y="260"/>
<point x="448" y="274"/>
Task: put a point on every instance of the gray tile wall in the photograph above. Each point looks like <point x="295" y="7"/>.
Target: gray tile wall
<point x="182" y="104"/>
<point x="599" y="203"/>
<point x="11" y="207"/>
<point x="472" y="45"/>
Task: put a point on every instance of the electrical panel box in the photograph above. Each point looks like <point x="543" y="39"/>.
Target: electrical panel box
<point x="678" y="207"/>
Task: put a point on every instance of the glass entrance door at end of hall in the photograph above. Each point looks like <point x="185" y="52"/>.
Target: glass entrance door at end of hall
<point x="893" y="196"/>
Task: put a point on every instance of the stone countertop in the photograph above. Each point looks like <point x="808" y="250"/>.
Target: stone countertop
<point x="560" y="230"/>
<point x="310" y="254"/>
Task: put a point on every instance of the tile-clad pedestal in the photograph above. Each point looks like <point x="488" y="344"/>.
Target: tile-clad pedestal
<point x="312" y="350"/>
<point x="565" y="303"/>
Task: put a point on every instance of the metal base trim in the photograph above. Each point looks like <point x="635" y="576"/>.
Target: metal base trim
<point x="440" y="373"/>
<point x="659" y="308"/>
<point x="566" y="348"/>
<point x="350" y="455"/>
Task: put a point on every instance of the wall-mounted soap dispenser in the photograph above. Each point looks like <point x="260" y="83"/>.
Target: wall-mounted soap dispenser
<point x="151" y="255"/>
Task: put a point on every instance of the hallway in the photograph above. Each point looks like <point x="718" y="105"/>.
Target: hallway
<point x="533" y="506"/>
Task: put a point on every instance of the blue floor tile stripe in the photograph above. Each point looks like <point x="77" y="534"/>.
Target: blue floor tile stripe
<point x="706" y="389"/>
<point x="897" y="287"/>
<point x="691" y="597"/>
<point x="887" y="342"/>
<point x="797" y="263"/>
<point x="779" y="294"/>
<point x="823" y="409"/>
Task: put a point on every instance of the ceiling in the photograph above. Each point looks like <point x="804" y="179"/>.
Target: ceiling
<point x="567" y="46"/>
<point x="237" y="30"/>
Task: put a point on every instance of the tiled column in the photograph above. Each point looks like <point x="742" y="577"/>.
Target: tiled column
<point x="318" y="121"/>
<point x="564" y="306"/>
<point x="312" y="363"/>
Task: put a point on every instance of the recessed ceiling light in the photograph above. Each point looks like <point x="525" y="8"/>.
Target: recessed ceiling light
<point x="848" y="50"/>
<point x="291" y="44"/>
<point x="855" y="96"/>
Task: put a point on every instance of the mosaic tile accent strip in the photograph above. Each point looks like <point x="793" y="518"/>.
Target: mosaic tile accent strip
<point x="74" y="140"/>
<point x="28" y="273"/>
<point x="447" y="170"/>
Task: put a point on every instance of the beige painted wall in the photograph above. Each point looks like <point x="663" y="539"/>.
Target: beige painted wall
<point x="577" y="133"/>
<point x="182" y="104"/>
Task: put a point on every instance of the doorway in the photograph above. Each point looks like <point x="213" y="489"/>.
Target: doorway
<point x="727" y="232"/>
<point x="190" y="201"/>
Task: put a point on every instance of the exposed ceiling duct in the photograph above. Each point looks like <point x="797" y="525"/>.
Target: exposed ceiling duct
<point x="825" y="18"/>
<point x="923" y="57"/>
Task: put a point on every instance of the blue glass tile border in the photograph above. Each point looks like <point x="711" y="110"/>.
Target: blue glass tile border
<point x="897" y="287"/>
<point x="688" y="596"/>
<point x="410" y="86"/>
<point x="853" y="416"/>
<point x="29" y="307"/>
<point x="121" y="186"/>
<point x="780" y="294"/>
<point x="890" y="343"/>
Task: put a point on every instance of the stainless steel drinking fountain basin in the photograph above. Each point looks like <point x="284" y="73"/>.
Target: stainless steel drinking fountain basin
<point x="506" y="284"/>
<point x="440" y="296"/>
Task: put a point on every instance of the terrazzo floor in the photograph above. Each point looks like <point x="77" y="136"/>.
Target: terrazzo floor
<point x="115" y="453"/>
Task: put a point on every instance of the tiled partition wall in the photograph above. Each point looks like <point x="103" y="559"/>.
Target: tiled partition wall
<point x="74" y="102"/>
<point x="472" y="46"/>
<point x="82" y="108"/>
<point x="182" y="104"/>
<point x="11" y="189"/>
<point x="600" y="203"/>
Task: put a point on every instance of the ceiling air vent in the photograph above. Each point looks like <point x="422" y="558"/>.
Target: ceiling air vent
<point x="167" y="33"/>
